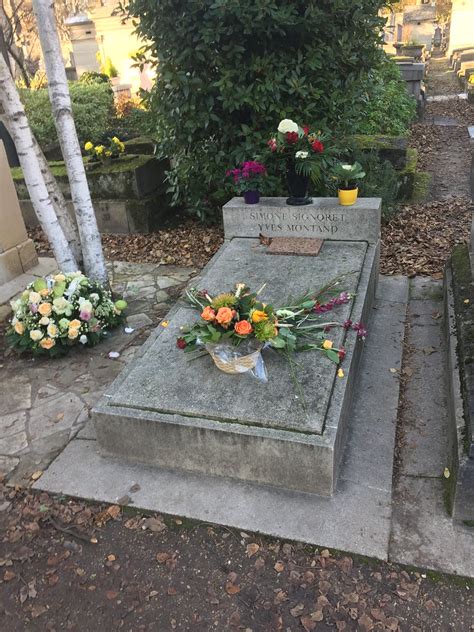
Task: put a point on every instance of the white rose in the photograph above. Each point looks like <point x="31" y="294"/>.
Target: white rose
<point x="287" y="125"/>
<point x="301" y="154"/>
<point x="34" y="297"/>
<point x="36" y="334"/>
<point x="347" y="167"/>
<point x="44" y="321"/>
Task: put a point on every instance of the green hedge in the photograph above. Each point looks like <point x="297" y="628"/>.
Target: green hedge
<point x="92" y="106"/>
<point x="389" y="107"/>
<point x="230" y="70"/>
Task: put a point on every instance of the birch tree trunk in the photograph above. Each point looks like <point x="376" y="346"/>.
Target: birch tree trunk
<point x="19" y="129"/>
<point x="94" y="262"/>
<point x="59" y="205"/>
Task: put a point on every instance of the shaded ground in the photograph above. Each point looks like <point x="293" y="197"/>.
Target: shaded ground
<point x="137" y="573"/>
<point x="440" y="79"/>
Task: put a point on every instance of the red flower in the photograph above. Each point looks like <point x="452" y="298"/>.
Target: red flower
<point x="291" y="137"/>
<point x="341" y="354"/>
<point x="317" y="146"/>
<point x="305" y="130"/>
<point x="181" y="343"/>
<point x="272" y="144"/>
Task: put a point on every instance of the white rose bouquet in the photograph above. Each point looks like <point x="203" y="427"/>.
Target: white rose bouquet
<point x="58" y="312"/>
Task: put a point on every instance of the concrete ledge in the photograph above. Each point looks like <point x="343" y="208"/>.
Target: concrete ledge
<point x="461" y="488"/>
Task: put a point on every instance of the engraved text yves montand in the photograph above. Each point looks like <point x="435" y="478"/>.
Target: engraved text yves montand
<point x="311" y="222"/>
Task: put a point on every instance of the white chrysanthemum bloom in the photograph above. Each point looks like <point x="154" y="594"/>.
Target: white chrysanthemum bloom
<point x="302" y="154"/>
<point x="287" y="125"/>
<point x="36" y="334"/>
<point x="83" y="339"/>
<point x="347" y="167"/>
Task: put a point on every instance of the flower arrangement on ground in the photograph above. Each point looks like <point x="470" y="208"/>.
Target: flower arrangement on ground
<point x="104" y="153"/>
<point x="248" y="179"/>
<point x="240" y="318"/>
<point x="56" y="313"/>
<point x="347" y="177"/>
<point x="303" y="152"/>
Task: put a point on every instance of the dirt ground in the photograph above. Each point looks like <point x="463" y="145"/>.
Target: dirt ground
<point x="131" y="572"/>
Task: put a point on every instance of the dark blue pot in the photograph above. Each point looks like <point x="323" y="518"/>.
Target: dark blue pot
<point x="252" y="197"/>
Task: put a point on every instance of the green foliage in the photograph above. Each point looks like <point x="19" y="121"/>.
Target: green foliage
<point x="389" y="109"/>
<point x="90" y="77"/>
<point x="347" y="175"/>
<point x="230" y="71"/>
<point x="92" y="107"/>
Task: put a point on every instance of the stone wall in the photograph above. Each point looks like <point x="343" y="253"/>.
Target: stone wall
<point x="128" y="194"/>
<point x="17" y="252"/>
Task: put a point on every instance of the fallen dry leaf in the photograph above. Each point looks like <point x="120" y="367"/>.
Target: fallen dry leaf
<point x="279" y="566"/>
<point x="251" y="549"/>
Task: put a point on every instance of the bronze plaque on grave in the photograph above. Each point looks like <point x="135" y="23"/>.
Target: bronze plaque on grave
<point x="303" y="246"/>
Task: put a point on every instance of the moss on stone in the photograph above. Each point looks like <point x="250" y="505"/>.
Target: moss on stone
<point x="125" y="163"/>
<point x="421" y="186"/>
<point x="378" y="141"/>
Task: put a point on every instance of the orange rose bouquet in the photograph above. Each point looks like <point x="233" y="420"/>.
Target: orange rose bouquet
<point x="241" y="319"/>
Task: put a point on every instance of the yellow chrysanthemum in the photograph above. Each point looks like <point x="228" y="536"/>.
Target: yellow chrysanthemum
<point x="327" y="344"/>
<point x="88" y="146"/>
<point x="259" y="316"/>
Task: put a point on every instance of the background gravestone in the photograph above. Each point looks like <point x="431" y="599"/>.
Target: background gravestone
<point x="17" y="251"/>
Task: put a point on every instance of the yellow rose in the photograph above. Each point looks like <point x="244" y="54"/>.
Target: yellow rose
<point x="108" y="153"/>
<point x="88" y="146"/>
<point x="52" y="330"/>
<point x="72" y="334"/>
<point x="34" y="297"/>
<point x="75" y="324"/>
<point x="327" y="344"/>
<point x="99" y="149"/>
<point x="36" y="334"/>
<point x="59" y="278"/>
<point x="47" y="343"/>
<point x="45" y="309"/>
<point x="258" y="316"/>
<point x="44" y="321"/>
<point x="19" y="328"/>
<point x="116" y="140"/>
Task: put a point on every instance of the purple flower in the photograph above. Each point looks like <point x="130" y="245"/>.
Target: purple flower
<point x="85" y="316"/>
<point x="347" y="324"/>
<point x="33" y="308"/>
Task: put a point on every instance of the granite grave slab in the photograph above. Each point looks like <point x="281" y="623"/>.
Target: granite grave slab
<point x="167" y="411"/>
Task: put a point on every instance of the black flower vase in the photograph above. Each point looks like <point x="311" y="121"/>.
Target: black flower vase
<point x="297" y="187"/>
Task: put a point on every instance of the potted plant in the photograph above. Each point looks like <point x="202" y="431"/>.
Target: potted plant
<point x="302" y="153"/>
<point x="347" y="177"/>
<point x="247" y="180"/>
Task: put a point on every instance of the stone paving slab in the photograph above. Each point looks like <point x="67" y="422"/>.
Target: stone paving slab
<point x="356" y="519"/>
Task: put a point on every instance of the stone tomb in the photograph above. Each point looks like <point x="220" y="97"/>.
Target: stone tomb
<point x="175" y="413"/>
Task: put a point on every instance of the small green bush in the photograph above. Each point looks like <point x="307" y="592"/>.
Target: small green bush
<point x="389" y="109"/>
<point x="229" y="71"/>
<point x="92" y="107"/>
<point x="90" y="77"/>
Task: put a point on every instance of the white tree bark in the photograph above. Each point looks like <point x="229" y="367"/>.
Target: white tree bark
<point x="94" y="262"/>
<point x="19" y="129"/>
<point x="59" y="205"/>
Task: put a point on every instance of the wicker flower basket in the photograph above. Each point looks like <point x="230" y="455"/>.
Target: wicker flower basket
<point x="227" y="359"/>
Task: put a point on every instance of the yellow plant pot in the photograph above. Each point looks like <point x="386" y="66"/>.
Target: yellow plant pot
<point x="347" y="197"/>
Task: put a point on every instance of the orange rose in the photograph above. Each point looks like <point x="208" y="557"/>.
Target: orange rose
<point x="243" y="328"/>
<point x="45" y="309"/>
<point x="224" y="316"/>
<point x="47" y="343"/>
<point x="208" y="313"/>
